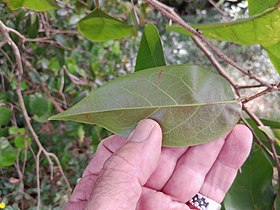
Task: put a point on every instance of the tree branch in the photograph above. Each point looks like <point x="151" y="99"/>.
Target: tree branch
<point x="268" y="90"/>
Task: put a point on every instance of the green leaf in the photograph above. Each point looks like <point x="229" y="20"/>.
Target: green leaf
<point x="5" y="115"/>
<point x="252" y="188"/>
<point x="262" y="29"/>
<point x="16" y="131"/>
<point x="99" y="27"/>
<point x="271" y="123"/>
<point x="7" y="153"/>
<point x="13" y="4"/>
<point x="274" y="55"/>
<point x="19" y="142"/>
<point x="39" y="105"/>
<point x="276" y="204"/>
<point x="269" y="132"/>
<point x="40" y="5"/>
<point x="37" y="5"/>
<point x="259" y="6"/>
<point x="150" y="53"/>
<point x="32" y="25"/>
<point x="193" y="105"/>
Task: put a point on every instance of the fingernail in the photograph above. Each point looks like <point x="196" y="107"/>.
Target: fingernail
<point x="142" y="131"/>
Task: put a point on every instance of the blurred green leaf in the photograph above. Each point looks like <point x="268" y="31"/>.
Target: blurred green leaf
<point x="40" y="5"/>
<point x="271" y="123"/>
<point x="268" y="131"/>
<point x="178" y="97"/>
<point x="7" y="153"/>
<point x="276" y="204"/>
<point x="19" y="142"/>
<point x="252" y="188"/>
<point x="13" y="4"/>
<point x="5" y="115"/>
<point x="150" y="53"/>
<point x="274" y="55"/>
<point x="37" y="5"/>
<point x="99" y="27"/>
<point x="32" y="26"/>
<point x="16" y="131"/>
<point x="259" y="6"/>
<point x="262" y="29"/>
<point x="39" y="105"/>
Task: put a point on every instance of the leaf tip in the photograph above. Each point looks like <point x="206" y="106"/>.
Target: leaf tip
<point x="55" y="117"/>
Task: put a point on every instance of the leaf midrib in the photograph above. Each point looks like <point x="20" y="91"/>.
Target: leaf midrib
<point x="154" y="107"/>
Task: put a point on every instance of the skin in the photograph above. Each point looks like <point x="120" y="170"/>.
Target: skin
<point x="139" y="174"/>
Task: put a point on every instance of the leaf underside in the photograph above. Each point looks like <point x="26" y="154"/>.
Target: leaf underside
<point x="192" y="104"/>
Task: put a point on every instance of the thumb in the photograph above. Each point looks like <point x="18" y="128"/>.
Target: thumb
<point x="119" y="184"/>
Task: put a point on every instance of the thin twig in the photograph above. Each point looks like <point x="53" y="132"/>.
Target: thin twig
<point x="218" y="9"/>
<point x="264" y="92"/>
<point x="251" y="86"/>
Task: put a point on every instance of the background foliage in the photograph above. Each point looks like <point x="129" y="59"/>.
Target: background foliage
<point x="61" y="67"/>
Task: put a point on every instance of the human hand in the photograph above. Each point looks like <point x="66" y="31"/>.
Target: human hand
<point x="139" y="174"/>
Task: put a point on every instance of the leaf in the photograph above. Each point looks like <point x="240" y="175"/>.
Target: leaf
<point x="259" y="6"/>
<point x="37" y="5"/>
<point x="150" y="53"/>
<point x="99" y="27"/>
<point x="13" y="4"/>
<point x="7" y="153"/>
<point x="271" y="123"/>
<point x="269" y="132"/>
<point x="32" y="25"/>
<point x="40" y="5"/>
<point x="252" y="188"/>
<point x="276" y="204"/>
<point x="19" y="142"/>
<point x="5" y="116"/>
<point x="263" y="29"/>
<point x="274" y="55"/>
<point x="192" y="104"/>
<point x="39" y="105"/>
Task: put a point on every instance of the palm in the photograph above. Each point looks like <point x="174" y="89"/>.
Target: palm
<point x="181" y="172"/>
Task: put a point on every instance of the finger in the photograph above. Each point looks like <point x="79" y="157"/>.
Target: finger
<point x="104" y="150"/>
<point x="152" y="199"/>
<point x="81" y="193"/>
<point x="233" y="154"/>
<point x="85" y="186"/>
<point x="167" y="163"/>
<point x="191" y="170"/>
<point x="119" y="184"/>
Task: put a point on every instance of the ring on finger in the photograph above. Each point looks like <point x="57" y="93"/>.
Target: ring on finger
<point x="202" y="202"/>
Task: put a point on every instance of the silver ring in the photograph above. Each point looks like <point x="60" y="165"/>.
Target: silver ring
<point x="203" y="203"/>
